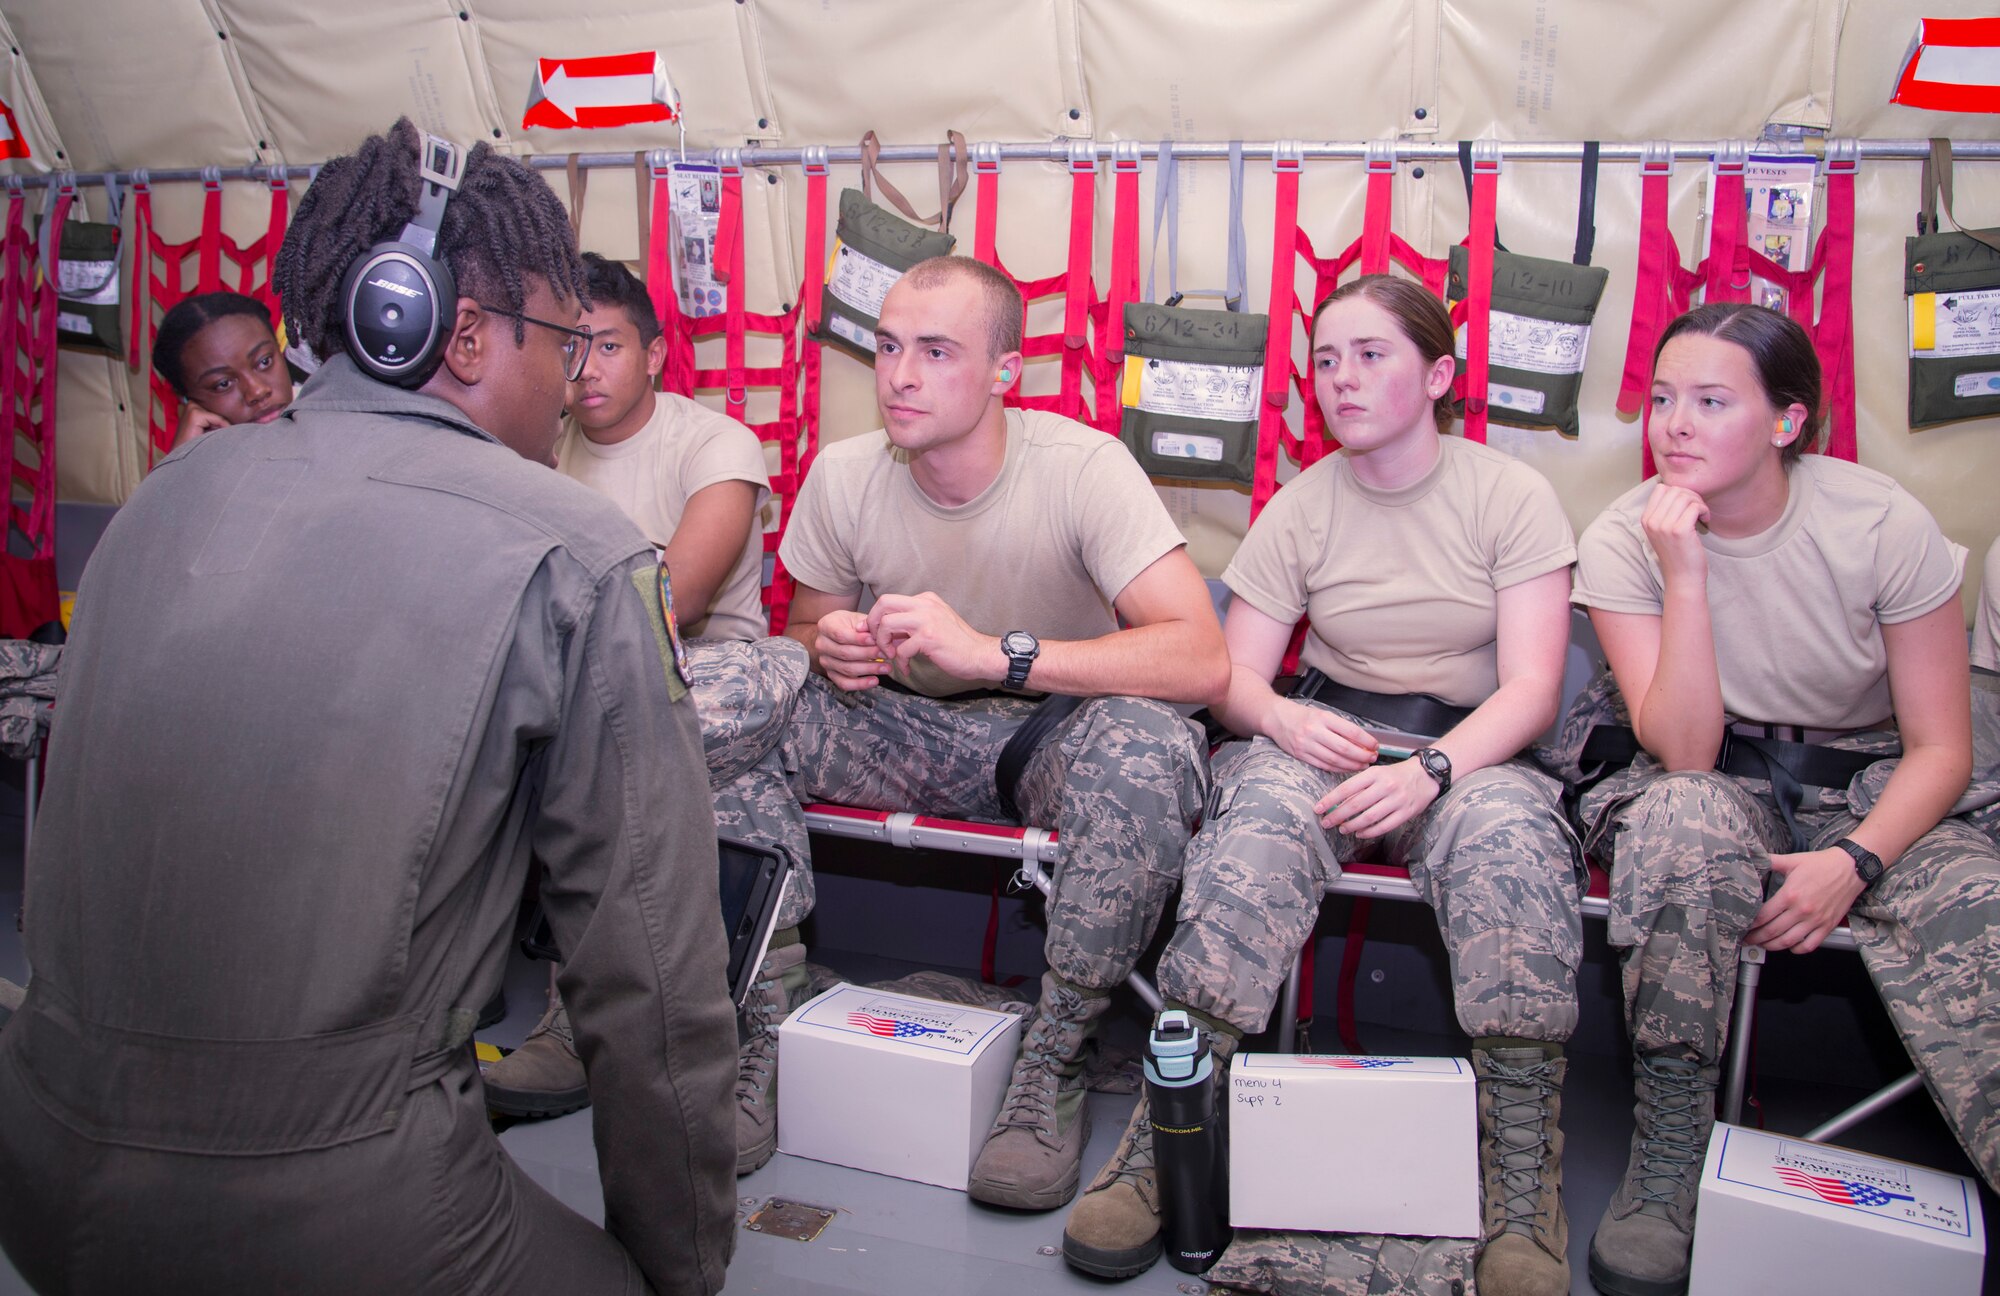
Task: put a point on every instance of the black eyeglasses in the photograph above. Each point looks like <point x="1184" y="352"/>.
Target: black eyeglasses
<point x="576" y="343"/>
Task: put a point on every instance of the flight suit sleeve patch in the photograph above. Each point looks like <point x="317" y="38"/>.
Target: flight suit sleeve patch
<point x="657" y="594"/>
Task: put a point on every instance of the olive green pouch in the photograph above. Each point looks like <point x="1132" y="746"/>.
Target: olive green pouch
<point x="1952" y="280"/>
<point x="1539" y="337"/>
<point x="1190" y="391"/>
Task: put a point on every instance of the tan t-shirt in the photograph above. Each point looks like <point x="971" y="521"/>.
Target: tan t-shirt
<point x="1402" y="586"/>
<point x="1797" y="609"/>
<point x="1986" y="621"/>
<point x="654" y="472"/>
<point x="1046" y="548"/>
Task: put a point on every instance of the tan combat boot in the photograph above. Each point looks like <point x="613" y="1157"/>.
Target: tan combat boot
<point x="1525" y="1230"/>
<point x="1114" y="1232"/>
<point x="1642" y="1244"/>
<point x="543" y="1077"/>
<point x="780" y="987"/>
<point x="1034" y="1154"/>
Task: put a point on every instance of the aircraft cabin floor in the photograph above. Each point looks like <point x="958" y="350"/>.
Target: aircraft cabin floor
<point x="894" y="1236"/>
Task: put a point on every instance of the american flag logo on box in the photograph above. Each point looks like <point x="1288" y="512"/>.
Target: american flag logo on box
<point x="891" y="1027"/>
<point x="1841" y="1192"/>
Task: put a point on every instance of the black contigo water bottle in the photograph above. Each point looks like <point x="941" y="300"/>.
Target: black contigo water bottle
<point x="1188" y="1144"/>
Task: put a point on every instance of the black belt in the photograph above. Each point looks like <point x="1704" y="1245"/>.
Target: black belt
<point x="1413" y="713"/>
<point x="1027" y="740"/>
<point x="1787" y="766"/>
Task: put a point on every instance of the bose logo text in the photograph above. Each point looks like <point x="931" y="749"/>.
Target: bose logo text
<point x="394" y="288"/>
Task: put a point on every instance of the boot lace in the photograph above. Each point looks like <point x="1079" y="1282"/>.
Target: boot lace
<point x="758" y="1058"/>
<point x="1133" y="1160"/>
<point x="1670" y="1153"/>
<point x="1031" y="1098"/>
<point x="1521" y="1128"/>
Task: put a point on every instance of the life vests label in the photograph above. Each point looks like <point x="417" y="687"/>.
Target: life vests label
<point x="89" y="283"/>
<point x="1180" y="445"/>
<point x="1946" y="324"/>
<point x="1535" y="345"/>
<point x="1184" y="389"/>
<point x="860" y="281"/>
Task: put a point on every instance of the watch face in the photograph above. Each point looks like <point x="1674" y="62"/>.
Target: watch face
<point x="1019" y="643"/>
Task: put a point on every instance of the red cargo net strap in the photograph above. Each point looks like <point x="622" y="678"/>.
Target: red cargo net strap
<point x="789" y="431"/>
<point x="1661" y="289"/>
<point x="1377" y="250"/>
<point x="28" y="309"/>
<point x="159" y="277"/>
<point x="1079" y="292"/>
<point x="1478" y="304"/>
<point x="1123" y="287"/>
<point x="1832" y="267"/>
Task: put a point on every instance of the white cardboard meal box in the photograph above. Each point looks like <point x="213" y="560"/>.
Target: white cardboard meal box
<point x="892" y="1083"/>
<point x="1353" y="1144"/>
<point x="1785" y="1215"/>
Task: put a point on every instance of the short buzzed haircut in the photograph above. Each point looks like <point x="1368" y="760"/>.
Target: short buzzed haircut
<point x="1003" y="299"/>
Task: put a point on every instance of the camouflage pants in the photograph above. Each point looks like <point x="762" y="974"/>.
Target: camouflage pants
<point x="1122" y="781"/>
<point x="1690" y="855"/>
<point x="1493" y="857"/>
<point x="1343" y="1264"/>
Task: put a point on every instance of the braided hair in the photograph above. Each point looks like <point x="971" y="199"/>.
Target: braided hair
<point x="502" y="225"/>
<point x="181" y="325"/>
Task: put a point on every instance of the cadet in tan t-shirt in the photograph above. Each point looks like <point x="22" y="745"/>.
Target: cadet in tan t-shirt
<point x="1001" y="551"/>
<point x="1747" y="582"/>
<point x="691" y="480"/>
<point x="1425" y="564"/>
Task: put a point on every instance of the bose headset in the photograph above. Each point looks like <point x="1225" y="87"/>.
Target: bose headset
<point x="400" y="296"/>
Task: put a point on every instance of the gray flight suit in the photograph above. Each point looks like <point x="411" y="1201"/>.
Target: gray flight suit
<point x="330" y="681"/>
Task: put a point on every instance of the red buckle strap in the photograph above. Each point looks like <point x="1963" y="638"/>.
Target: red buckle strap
<point x="1287" y="161"/>
<point x="1651" y="283"/>
<point x="986" y="166"/>
<point x="1479" y="284"/>
<point x="1123" y="287"/>
<point x="1375" y="233"/>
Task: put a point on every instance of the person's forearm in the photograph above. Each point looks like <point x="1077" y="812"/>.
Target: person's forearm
<point x="1925" y="785"/>
<point x="1171" y="661"/>
<point x="1513" y="716"/>
<point x="1251" y="703"/>
<point x="1680" y="720"/>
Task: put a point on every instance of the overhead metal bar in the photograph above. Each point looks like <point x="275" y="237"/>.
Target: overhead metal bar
<point x="1873" y="150"/>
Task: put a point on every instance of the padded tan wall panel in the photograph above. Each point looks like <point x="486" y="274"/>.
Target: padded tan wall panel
<point x="100" y="454"/>
<point x="1281" y="68"/>
<point x="138" y="83"/>
<point x="326" y="76"/>
<point x="838" y="68"/>
<point x="1586" y="69"/>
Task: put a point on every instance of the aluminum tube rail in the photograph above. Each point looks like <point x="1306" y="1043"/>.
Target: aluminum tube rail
<point x="1872" y="150"/>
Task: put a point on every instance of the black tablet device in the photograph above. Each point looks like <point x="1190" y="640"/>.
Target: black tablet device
<point x="753" y="883"/>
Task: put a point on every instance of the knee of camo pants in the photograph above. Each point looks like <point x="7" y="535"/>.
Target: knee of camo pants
<point x="1929" y="932"/>
<point x="758" y="808"/>
<point x="1498" y="865"/>
<point x="1123" y="782"/>
<point x="1251" y="887"/>
<point x="1691" y="840"/>
<point x="743" y="696"/>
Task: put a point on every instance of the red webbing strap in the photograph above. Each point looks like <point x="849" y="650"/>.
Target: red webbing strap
<point x="1726" y="269"/>
<point x="729" y="263"/>
<point x="810" y="299"/>
<point x="16" y="287"/>
<point x="1375" y="233"/>
<point x="1652" y="284"/>
<point x="678" y="374"/>
<point x="141" y="264"/>
<point x="1122" y="288"/>
<point x="1833" y="337"/>
<point x="1077" y="287"/>
<point x="1479" y="290"/>
<point x="208" y="261"/>
<point x="987" y="208"/>
<point x="1283" y="307"/>
<point x="38" y="423"/>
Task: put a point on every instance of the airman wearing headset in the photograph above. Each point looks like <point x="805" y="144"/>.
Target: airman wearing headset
<point x="330" y="681"/>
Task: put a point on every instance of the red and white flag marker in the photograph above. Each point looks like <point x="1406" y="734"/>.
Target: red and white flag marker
<point x="11" y="143"/>
<point x="607" y="90"/>
<point x="1953" y="66"/>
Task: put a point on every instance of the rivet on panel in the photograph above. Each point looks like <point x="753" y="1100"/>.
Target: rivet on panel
<point x="1076" y="114"/>
<point x="1423" y="113"/>
<point x="763" y="123"/>
<point x="1416" y="173"/>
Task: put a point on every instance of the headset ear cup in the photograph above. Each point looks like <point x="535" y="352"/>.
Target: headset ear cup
<point x="399" y="305"/>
